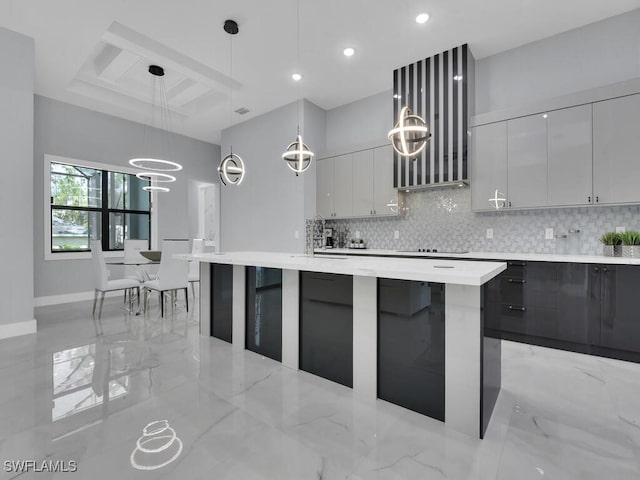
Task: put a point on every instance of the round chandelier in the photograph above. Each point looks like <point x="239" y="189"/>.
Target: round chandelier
<point x="155" y="188"/>
<point x="298" y="156"/>
<point x="498" y="200"/>
<point x="155" y="164"/>
<point x="231" y="170"/>
<point x="410" y="134"/>
<point x="156" y="177"/>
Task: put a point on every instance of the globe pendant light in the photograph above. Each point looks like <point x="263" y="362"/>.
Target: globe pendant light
<point x="231" y="168"/>
<point x="149" y="164"/>
<point x="410" y="134"/>
<point x="297" y="155"/>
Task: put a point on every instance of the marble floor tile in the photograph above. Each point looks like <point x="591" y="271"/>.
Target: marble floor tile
<point x="84" y="390"/>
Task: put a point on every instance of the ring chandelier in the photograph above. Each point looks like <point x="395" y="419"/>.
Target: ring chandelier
<point x="155" y="164"/>
<point x="231" y="170"/>
<point x="410" y="134"/>
<point x="298" y="156"/>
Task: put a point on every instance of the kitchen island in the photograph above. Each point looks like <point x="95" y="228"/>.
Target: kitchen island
<point x="344" y="318"/>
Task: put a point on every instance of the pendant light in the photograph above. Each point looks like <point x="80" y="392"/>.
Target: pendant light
<point x="297" y="155"/>
<point x="410" y="134"/>
<point x="498" y="200"/>
<point x="154" y="168"/>
<point x="231" y="168"/>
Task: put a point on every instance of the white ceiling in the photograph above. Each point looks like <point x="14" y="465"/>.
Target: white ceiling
<point x="68" y="33"/>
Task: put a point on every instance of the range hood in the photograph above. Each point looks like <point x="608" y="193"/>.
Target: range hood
<point x="434" y="186"/>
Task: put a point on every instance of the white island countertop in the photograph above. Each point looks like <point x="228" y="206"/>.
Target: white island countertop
<point x="497" y="256"/>
<point x="457" y="272"/>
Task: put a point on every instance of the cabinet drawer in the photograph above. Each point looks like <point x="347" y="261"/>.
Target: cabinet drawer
<point x="325" y="287"/>
<point x="539" y="321"/>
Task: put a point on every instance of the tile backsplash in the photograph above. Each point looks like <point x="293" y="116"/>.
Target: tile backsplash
<point x="443" y="219"/>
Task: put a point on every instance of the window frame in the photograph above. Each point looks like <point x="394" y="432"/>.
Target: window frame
<point x="104" y="208"/>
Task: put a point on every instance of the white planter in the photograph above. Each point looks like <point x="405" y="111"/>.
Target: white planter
<point x="632" y="251"/>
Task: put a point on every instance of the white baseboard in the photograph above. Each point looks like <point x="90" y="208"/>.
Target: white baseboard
<point x="19" y="328"/>
<point x="69" y="298"/>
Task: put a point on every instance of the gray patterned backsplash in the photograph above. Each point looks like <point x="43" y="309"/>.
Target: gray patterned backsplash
<point x="443" y="219"/>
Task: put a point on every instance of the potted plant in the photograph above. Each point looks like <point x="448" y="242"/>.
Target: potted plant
<point x="630" y="244"/>
<point x="611" y="242"/>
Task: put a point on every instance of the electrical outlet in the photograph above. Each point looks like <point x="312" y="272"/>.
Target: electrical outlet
<point x="489" y="233"/>
<point x="620" y="229"/>
<point x="548" y="233"/>
<point x="396" y="234"/>
<point x="357" y="233"/>
<point x="296" y="234"/>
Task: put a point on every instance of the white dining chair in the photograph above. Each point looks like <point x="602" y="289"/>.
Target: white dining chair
<point x="132" y="249"/>
<point x="197" y="246"/>
<point x="173" y="274"/>
<point x="101" y="281"/>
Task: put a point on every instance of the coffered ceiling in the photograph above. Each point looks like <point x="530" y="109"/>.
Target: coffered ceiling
<point x="95" y="53"/>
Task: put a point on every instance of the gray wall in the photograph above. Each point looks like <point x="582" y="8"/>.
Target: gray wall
<point x="360" y="124"/>
<point x="269" y="207"/>
<point x="16" y="181"/>
<point x="78" y="133"/>
<point x="598" y="54"/>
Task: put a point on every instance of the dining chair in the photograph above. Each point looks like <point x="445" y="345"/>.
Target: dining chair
<point x="101" y="281"/>
<point x="197" y="246"/>
<point x="132" y="249"/>
<point x="173" y="274"/>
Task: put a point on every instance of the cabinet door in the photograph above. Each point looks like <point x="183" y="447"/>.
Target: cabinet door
<point x="324" y="188"/>
<point x="343" y="185"/>
<point x="569" y="173"/>
<point x="620" y="321"/>
<point x="488" y="164"/>
<point x="527" y="161"/>
<point x="616" y="143"/>
<point x="383" y="191"/>
<point x="363" y="183"/>
<point x="575" y="305"/>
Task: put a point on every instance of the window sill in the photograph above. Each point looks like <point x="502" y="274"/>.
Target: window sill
<point x="79" y="255"/>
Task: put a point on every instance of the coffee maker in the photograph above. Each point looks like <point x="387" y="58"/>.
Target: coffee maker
<point x="327" y="238"/>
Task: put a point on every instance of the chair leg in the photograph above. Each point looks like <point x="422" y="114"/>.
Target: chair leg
<point x="193" y="290"/>
<point x="138" y="295"/>
<point x="95" y="300"/>
<point x="186" y="298"/>
<point x="145" y="303"/>
<point x="162" y="304"/>
<point x="101" y="302"/>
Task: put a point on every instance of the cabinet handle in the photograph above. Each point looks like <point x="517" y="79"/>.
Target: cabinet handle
<point x="605" y="269"/>
<point x="596" y="269"/>
<point x="509" y="203"/>
<point x="597" y="199"/>
<point x="519" y="309"/>
<point x="517" y="264"/>
<point x="589" y="200"/>
<point x="513" y="280"/>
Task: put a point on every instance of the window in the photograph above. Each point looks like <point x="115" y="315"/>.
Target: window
<point x="93" y="203"/>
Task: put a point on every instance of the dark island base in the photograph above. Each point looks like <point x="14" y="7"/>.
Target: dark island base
<point x="264" y="311"/>
<point x="221" y="301"/>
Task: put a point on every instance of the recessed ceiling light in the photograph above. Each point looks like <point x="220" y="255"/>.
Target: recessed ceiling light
<point x="348" y="52"/>
<point x="422" y="18"/>
<point x="457" y="78"/>
<point x="397" y="96"/>
<point x="544" y="115"/>
<point x="296" y="76"/>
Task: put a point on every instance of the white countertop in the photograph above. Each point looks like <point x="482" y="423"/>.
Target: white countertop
<point x="531" y="257"/>
<point x="431" y="270"/>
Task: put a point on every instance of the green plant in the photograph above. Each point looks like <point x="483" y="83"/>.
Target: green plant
<point x="611" y="238"/>
<point x="630" y="238"/>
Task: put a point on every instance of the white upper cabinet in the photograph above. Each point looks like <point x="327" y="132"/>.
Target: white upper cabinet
<point x="363" y="178"/>
<point x="488" y="164"/>
<point x="358" y="184"/>
<point x="569" y="145"/>
<point x="527" y="161"/>
<point x="324" y="187"/>
<point x="616" y="150"/>
<point x="343" y="185"/>
<point x="383" y="191"/>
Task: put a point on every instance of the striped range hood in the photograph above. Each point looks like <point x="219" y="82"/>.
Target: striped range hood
<point x="440" y="90"/>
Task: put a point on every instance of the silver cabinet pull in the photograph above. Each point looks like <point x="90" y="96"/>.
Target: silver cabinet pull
<point x="519" y="309"/>
<point x="513" y="280"/>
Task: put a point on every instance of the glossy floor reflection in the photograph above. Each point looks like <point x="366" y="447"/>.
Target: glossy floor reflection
<point x="84" y="391"/>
